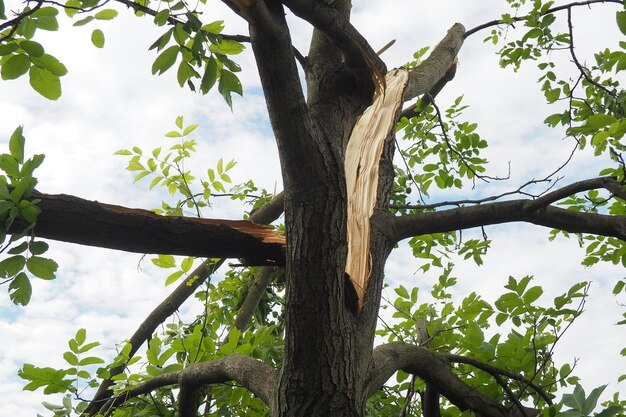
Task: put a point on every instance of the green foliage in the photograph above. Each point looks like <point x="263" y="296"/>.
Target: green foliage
<point x="203" y="52"/>
<point x="18" y="217"/>
<point x="581" y="405"/>
<point x="167" y="170"/>
<point x="525" y="336"/>
<point x="440" y="152"/>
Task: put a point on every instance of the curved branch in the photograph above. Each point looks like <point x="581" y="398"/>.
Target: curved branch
<point x="537" y="211"/>
<point x="568" y="6"/>
<point x="75" y="220"/>
<point x="251" y="373"/>
<point x="434" y="369"/>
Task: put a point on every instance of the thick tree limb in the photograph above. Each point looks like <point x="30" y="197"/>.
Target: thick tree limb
<point x="434" y="369"/>
<point x="264" y="214"/>
<point x="271" y="44"/>
<point x="336" y="25"/>
<point x="425" y="76"/>
<point x="72" y="219"/>
<point x="251" y="373"/>
<point x="537" y="211"/>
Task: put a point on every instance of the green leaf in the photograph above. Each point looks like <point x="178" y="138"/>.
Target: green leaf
<point x="71" y="7"/>
<point x="51" y="64"/>
<point x="165" y="60"/>
<point x="43" y="268"/>
<point x="2" y="15"/>
<point x="52" y="379"/>
<point x="83" y="22"/>
<point x="70" y="358"/>
<point x="210" y="76"/>
<point x="90" y="360"/>
<point x="97" y="38"/>
<point x="161" y="17"/>
<point x="185" y="72"/>
<point x="16" y="145"/>
<point x="227" y="47"/>
<point x="592" y="400"/>
<point x="173" y="277"/>
<point x="15" y="66"/>
<point x="81" y="336"/>
<point x="214" y="27"/>
<point x="532" y="294"/>
<point x="621" y="21"/>
<point x="88" y="347"/>
<point x="32" y="48"/>
<point x="45" y="83"/>
<point x="106" y="14"/>
<point x="20" y="289"/>
<point x="38" y="247"/>
<point x="47" y="22"/>
<point x="190" y="129"/>
<point x="164" y="261"/>
<point x="10" y="266"/>
<point x="229" y="83"/>
<point x="402" y="292"/>
<point x="7" y="48"/>
<point x="187" y="263"/>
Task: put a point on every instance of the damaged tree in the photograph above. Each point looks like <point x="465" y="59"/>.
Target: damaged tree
<point x="342" y="219"/>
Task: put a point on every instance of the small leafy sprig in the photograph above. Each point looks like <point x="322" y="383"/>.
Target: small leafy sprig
<point x="18" y="217"/>
<point x="168" y="171"/>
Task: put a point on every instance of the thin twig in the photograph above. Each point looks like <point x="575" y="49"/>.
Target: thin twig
<point x="497" y="22"/>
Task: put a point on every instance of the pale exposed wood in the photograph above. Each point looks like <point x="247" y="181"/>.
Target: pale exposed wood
<point x="363" y="155"/>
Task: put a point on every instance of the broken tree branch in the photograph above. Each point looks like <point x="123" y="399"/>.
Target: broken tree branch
<point x="75" y="220"/>
<point x="425" y="76"/>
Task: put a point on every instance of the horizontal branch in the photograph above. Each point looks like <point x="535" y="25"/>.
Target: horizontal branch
<point x="253" y="374"/>
<point x="75" y="220"/>
<point x="434" y="369"/>
<point x="537" y="212"/>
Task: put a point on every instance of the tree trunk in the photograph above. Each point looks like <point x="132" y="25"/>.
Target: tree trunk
<point x="328" y="341"/>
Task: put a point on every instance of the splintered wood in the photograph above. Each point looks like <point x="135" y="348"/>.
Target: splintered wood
<point x="363" y="155"/>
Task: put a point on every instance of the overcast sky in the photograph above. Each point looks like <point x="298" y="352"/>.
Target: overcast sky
<point x="111" y="101"/>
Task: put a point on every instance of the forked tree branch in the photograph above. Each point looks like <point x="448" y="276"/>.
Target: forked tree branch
<point x="337" y="26"/>
<point x="434" y="369"/>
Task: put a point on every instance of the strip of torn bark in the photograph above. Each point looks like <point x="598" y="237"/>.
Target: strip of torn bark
<point x="363" y="155"/>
